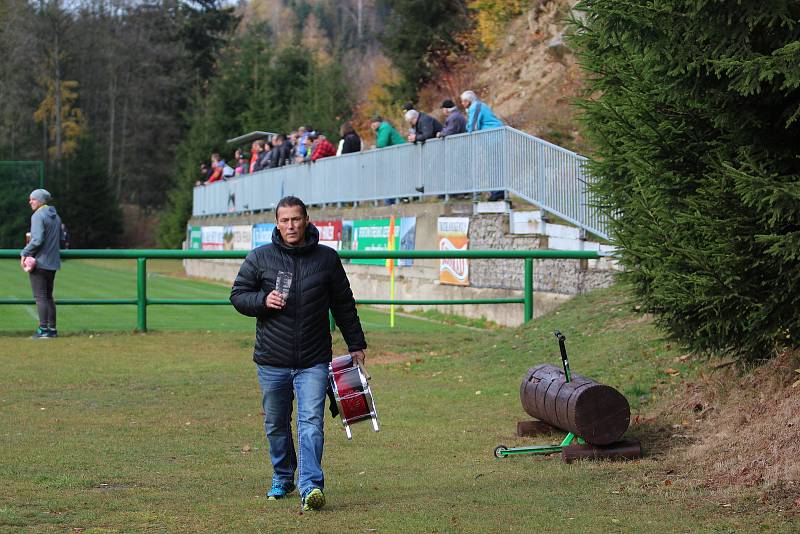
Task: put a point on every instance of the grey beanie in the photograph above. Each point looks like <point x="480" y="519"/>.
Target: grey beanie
<point x="41" y="195"/>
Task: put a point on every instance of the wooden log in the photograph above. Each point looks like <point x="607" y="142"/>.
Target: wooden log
<point x="534" y="428"/>
<point x="598" y="413"/>
<point x="621" y="450"/>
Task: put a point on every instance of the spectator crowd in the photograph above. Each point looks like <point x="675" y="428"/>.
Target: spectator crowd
<point x="306" y="145"/>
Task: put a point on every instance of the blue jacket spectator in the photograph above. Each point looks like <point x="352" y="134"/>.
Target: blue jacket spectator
<point x="480" y="116"/>
<point x="303" y="132"/>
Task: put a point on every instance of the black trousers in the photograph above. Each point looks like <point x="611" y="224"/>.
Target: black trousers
<point x="42" y="281"/>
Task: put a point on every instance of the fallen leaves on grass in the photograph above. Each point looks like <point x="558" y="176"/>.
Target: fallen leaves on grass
<point x="246" y="448"/>
<point x="741" y="412"/>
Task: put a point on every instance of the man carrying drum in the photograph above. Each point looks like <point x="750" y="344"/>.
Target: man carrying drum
<point x="289" y="286"/>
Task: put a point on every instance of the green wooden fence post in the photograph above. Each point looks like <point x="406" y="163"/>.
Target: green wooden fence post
<point x="141" y="294"/>
<point x="528" y="289"/>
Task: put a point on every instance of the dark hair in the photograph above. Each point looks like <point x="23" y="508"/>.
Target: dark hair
<point x="447" y="104"/>
<point x="408" y="106"/>
<point x="376" y="118"/>
<point x="288" y="202"/>
<point x="282" y="137"/>
<point x="346" y="128"/>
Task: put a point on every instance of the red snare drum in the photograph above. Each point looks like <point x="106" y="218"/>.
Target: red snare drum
<point x="352" y="393"/>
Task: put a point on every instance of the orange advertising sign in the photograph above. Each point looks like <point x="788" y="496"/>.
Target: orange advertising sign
<point x="453" y="235"/>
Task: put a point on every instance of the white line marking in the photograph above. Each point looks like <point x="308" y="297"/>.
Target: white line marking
<point x="28" y="308"/>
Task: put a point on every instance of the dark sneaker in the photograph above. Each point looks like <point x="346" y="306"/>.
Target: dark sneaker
<point x="41" y="333"/>
<point x="315" y="500"/>
<point x="279" y="490"/>
<point x="52" y="332"/>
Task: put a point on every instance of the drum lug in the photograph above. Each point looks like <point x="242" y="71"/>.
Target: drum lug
<point x="347" y="431"/>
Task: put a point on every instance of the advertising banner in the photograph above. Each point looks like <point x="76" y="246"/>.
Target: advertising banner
<point x="238" y="237"/>
<point x="212" y="237"/>
<point x="330" y="233"/>
<point x="262" y="234"/>
<point x="453" y="235"/>
<point x="408" y="238"/>
<point x="373" y="234"/>
<point x="347" y="238"/>
<point x="195" y="240"/>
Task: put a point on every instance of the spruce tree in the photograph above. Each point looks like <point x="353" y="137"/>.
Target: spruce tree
<point x="693" y="111"/>
<point x="84" y="200"/>
<point x="419" y="37"/>
<point x="16" y="183"/>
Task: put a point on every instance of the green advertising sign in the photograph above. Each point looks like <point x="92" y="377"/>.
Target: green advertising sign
<point x="374" y="235"/>
<point x="195" y="238"/>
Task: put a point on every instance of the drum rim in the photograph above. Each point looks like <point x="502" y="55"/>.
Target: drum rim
<point x="366" y="392"/>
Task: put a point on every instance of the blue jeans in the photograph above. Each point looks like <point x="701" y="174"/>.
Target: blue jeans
<point x="279" y="385"/>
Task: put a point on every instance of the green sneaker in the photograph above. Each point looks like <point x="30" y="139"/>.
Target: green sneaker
<point x="315" y="500"/>
<point x="41" y="333"/>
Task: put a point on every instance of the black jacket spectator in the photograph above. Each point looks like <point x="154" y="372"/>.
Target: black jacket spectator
<point x="263" y="161"/>
<point x="298" y="335"/>
<point x="280" y="154"/>
<point x="352" y="143"/>
<point x="426" y="128"/>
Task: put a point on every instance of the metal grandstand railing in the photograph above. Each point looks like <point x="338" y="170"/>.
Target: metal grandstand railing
<point x="546" y="175"/>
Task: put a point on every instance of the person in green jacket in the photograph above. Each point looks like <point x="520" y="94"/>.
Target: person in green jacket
<point x="385" y="134"/>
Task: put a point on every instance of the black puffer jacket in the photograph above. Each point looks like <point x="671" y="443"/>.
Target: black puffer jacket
<point x="298" y="336"/>
<point x="427" y="127"/>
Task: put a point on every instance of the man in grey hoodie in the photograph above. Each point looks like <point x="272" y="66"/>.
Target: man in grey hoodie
<point x="45" y="248"/>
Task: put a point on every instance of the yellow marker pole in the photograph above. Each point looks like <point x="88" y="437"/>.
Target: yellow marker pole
<point x="390" y="266"/>
<point x="391" y="306"/>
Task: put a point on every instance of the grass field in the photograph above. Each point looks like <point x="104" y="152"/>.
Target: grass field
<point x="162" y="432"/>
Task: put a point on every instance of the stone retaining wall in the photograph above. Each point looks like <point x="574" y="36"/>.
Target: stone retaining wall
<point x="554" y="280"/>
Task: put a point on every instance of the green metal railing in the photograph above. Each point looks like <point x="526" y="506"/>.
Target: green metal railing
<point x="142" y="301"/>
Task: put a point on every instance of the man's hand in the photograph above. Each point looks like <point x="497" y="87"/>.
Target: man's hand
<point x="358" y="357"/>
<point x="274" y="301"/>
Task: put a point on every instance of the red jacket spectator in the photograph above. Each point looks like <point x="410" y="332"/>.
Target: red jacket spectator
<point x="324" y="149"/>
<point x="218" y="166"/>
<point x="216" y="176"/>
